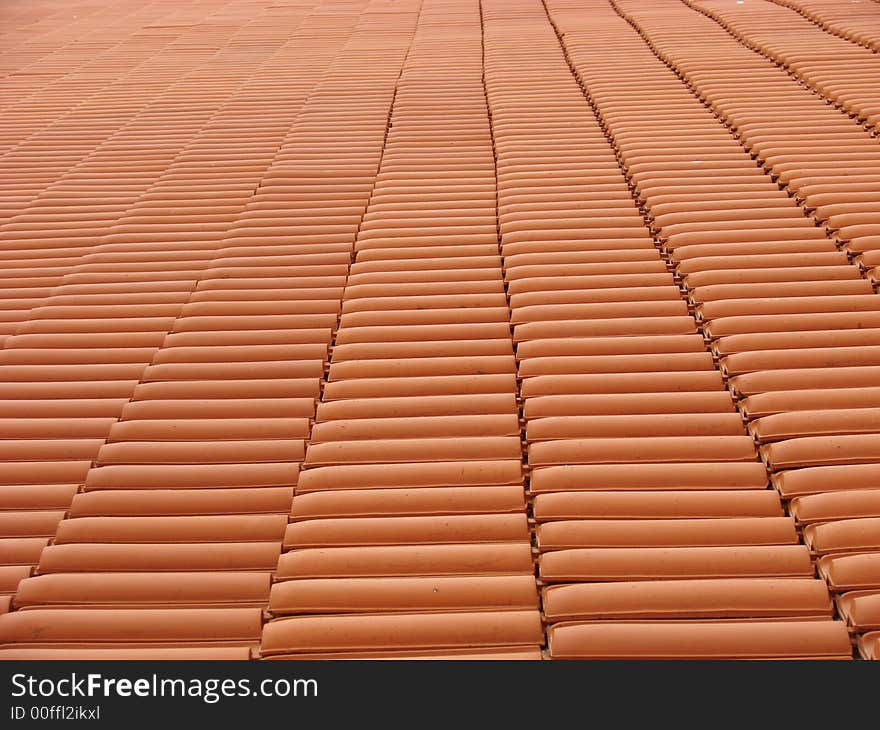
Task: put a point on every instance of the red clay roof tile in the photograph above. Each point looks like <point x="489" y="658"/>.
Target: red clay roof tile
<point x="378" y="344"/>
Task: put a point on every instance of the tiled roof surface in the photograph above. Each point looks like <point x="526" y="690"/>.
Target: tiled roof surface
<point x="440" y="329"/>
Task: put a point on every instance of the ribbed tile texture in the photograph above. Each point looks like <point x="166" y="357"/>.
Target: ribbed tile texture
<point x="474" y="329"/>
<point x="409" y="535"/>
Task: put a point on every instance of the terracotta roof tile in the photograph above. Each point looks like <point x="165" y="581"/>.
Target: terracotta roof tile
<point x="507" y="330"/>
